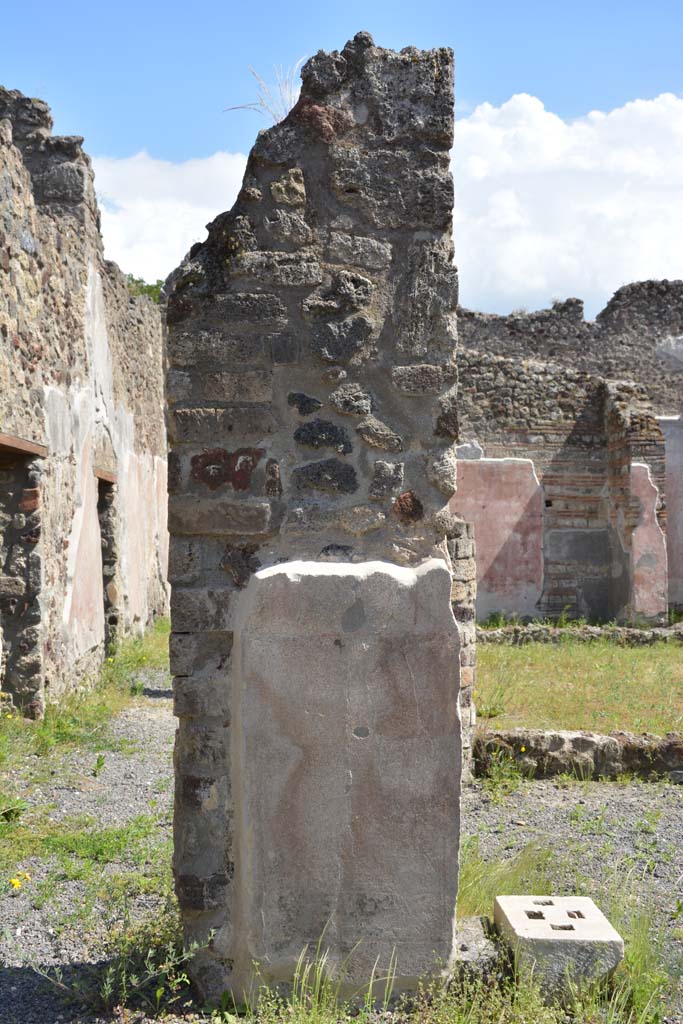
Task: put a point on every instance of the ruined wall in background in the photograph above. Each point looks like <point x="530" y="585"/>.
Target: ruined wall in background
<point x="80" y="377"/>
<point x="638" y="337"/>
<point x="312" y="416"/>
<point x="546" y="475"/>
<point x="672" y="428"/>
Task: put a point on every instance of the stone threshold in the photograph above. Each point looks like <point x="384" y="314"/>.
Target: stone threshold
<point x="542" y="754"/>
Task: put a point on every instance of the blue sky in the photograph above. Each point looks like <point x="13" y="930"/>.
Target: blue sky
<point x="157" y="76"/>
<point x="568" y="155"/>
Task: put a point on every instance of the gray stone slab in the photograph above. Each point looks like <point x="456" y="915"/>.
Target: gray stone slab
<point x="346" y="770"/>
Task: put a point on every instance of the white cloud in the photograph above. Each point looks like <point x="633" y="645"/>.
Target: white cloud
<point x="544" y="208"/>
<point x="153" y="210"/>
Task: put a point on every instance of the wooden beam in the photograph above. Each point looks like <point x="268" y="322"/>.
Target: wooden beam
<point x="105" y="475"/>
<point x="10" y="443"/>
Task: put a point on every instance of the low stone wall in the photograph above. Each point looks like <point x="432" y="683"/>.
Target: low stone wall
<point x="543" y="634"/>
<point x="542" y="754"/>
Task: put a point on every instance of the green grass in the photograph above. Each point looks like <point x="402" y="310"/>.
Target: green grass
<point x="37" y="835"/>
<point x="82" y="719"/>
<point x="481" y="881"/>
<point x="601" y="686"/>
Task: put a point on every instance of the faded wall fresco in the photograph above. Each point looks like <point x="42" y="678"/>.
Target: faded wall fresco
<point x="81" y="413"/>
<point x="504" y="500"/>
<point x="563" y="520"/>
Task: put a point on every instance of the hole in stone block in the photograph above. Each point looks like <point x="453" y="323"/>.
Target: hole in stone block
<point x="575" y="913"/>
<point x="562" y="927"/>
<point x="543" y="903"/>
<point x="535" y="915"/>
<point x="361" y="731"/>
<point x="548" y="503"/>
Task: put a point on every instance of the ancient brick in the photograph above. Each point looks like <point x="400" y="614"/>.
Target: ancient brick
<point x="239" y="562"/>
<point x="190" y="515"/>
<point x="423" y="378"/>
<point x="340" y="342"/>
<point x="199" y="653"/>
<point x="239" y="386"/>
<point x="200" y="610"/>
<point x="352" y="400"/>
<point x="408" y="508"/>
<point x="290" y="188"/>
<point x="201" y="893"/>
<point x="30" y="500"/>
<point x="205" y="425"/>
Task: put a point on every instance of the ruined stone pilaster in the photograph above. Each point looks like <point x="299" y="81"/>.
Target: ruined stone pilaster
<point x="312" y="415"/>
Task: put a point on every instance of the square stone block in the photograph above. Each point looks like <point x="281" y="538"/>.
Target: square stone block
<point x="559" y="937"/>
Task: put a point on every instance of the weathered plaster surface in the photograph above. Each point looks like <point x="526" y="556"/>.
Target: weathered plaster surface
<point x="503" y="500"/>
<point x="672" y="428"/>
<point x="648" y="549"/>
<point x="81" y="374"/>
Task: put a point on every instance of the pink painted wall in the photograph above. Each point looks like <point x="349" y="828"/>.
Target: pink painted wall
<point x="143" y="542"/>
<point x="504" y="501"/>
<point x="672" y="428"/>
<point x="649" y="583"/>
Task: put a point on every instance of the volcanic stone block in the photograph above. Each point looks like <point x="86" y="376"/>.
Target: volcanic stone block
<point x="559" y="938"/>
<point x="346" y="772"/>
<point x="326" y="475"/>
<point x="352" y="400"/>
<point x="323" y="434"/>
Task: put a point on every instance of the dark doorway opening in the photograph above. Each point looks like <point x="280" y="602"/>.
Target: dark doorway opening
<point x="21" y="663"/>
<point x="106" y="511"/>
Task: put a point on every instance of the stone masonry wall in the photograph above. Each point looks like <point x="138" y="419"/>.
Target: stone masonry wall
<point x="312" y="416"/>
<point x="558" y="448"/>
<point x="80" y="381"/>
<point x="637" y="336"/>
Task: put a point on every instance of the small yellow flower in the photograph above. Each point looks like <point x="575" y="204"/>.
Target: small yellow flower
<point x="26" y="875"/>
<point x="522" y="749"/>
<point x="15" y="883"/>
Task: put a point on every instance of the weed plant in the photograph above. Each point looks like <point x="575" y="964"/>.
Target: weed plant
<point x="601" y="686"/>
<point x="82" y="719"/>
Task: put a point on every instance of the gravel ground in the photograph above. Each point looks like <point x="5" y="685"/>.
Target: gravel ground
<point x="129" y="784"/>
<point x="600" y="831"/>
<point x="593" y="824"/>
